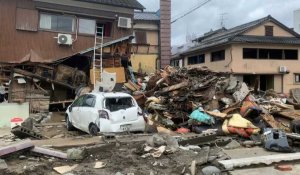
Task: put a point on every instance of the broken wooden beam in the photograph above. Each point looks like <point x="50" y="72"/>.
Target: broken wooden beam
<point x="175" y="87"/>
<point x="16" y="147"/>
<point x="49" y="152"/>
<point x="29" y="74"/>
<point x="270" y="120"/>
<point x="236" y="163"/>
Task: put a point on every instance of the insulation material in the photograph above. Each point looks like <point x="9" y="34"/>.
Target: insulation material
<point x="120" y="73"/>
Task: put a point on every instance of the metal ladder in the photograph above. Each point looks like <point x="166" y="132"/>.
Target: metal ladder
<point x="97" y="58"/>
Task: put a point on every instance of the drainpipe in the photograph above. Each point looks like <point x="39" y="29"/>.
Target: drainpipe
<point x="282" y="83"/>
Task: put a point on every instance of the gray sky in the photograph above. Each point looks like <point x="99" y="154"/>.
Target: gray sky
<point x="209" y="16"/>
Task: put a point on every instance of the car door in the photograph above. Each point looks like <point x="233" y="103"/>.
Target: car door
<point x="87" y="112"/>
<point x="75" y="111"/>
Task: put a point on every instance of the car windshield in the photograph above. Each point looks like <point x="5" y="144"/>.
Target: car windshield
<point x="115" y="104"/>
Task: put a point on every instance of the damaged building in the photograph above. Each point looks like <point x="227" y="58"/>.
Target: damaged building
<point x="48" y="46"/>
<point x="263" y="53"/>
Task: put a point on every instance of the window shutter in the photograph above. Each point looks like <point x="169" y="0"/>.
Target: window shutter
<point x="141" y="37"/>
<point x="27" y="19"/>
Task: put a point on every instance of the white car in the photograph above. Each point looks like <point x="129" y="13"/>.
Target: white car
<point x="105" y="113"/>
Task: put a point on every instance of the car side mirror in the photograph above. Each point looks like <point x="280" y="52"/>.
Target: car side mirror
<point x="70" y="108"/>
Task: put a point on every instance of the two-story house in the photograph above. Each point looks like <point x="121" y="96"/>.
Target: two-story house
<point x="263" y="50"/>
<point x="33" y="26"/>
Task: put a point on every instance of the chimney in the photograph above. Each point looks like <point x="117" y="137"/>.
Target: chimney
<point x="165" y="32"/>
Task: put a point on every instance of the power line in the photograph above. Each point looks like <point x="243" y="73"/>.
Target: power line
<point x="197" y="7"/>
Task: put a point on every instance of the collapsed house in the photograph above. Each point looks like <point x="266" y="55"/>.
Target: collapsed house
<point x="51" y="56"/>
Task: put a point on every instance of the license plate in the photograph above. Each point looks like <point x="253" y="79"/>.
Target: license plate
<point x="125" y="127"/>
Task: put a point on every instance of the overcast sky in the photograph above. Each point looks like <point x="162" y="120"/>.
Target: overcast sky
<point x="235" y="12"/>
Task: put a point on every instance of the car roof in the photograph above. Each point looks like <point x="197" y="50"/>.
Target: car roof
<point x="111" y="94"/>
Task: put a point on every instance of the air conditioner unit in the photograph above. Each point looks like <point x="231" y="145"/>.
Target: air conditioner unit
<point x="64" y="39"/>
<point x="282" y="69"/>
<point x="124" y="22"/>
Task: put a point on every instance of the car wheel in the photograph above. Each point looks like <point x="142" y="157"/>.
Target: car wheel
<point x="70" y="127"/>
<point x="93" y="129"/>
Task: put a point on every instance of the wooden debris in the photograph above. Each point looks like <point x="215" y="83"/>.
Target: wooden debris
<point x="270" y="120"/>
<point x="217" y="114"/>
<point x="16" y="147"/>
<point x="49" y="152"/>
<point x="65" y="169"/>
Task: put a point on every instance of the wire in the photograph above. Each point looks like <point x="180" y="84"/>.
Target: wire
<point x="192" y="10"/>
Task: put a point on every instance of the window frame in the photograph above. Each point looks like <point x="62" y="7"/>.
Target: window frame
<point x="266" y="51"/>
<point x="223" y="53"/>
<point x="78" y="26"/>
<point x="295" y="75"/>
<point x="248" y="58"/>
<point x="197" y="59"/>
<point x="74" y="25"/>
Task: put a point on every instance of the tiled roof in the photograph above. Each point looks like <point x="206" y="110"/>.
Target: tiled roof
<point x="266" y="39"/>
<point x="134" y="4"/>
<point x="235" y="34"/>
<point x="146" y="16"/>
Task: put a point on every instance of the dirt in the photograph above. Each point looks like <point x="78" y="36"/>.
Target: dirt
<point x="119" y="157"/>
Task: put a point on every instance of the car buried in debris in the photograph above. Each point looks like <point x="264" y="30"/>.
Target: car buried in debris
<point x="104" y="112"/>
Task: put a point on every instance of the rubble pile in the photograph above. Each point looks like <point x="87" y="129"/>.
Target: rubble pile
<point x="178" y="98"/>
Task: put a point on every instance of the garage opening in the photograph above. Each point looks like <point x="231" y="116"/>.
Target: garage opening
<point x="263" y="82"/>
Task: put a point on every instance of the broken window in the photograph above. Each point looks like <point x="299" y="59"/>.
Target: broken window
<point x="269" y="30"/>
<point x="89" y="101"/>
<point x="249" y="53"/>
<point x="297" y="78"/>
<point x="78" y="101"/>
<point x="106" y="27"/>
<point x="60" y="23"/>
<point x="196" y="59"/>
<point x="218" y="56"/>
<point x="291" y="54"/>
<point x="115" y="104"/>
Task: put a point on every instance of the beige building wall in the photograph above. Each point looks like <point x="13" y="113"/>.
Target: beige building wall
<point x="223" y="65"/>
<point x="144" y="63"/>
<point x="144" y="57"/>
<point x="265" y="66"/>
<point x="260" y="30"/>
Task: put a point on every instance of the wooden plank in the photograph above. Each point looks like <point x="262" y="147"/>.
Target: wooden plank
<point x="270" y="120"/>
<point x="290" y="114"/>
